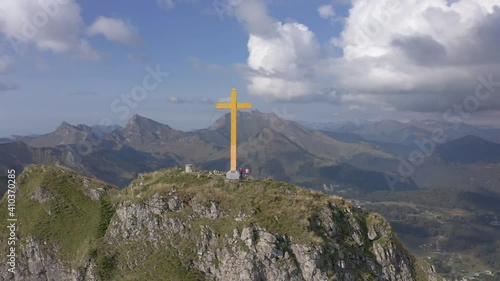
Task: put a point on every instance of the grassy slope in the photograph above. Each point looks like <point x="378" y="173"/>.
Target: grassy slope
<point x="77" y="224"/>
<point x="277" y="206"/>
<point x="70" y="219"/>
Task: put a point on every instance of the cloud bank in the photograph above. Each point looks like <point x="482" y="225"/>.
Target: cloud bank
<point x="411" y="55"/>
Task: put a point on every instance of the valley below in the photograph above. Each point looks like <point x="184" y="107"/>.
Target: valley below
<point x="455" y="231"/>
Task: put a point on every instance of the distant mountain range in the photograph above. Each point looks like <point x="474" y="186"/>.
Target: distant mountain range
<point x="391" y="131"/>
<point x="16" y="137"/>
<point x="444" y="192"/>
<point x="470" y="149"/>
<point x="351" y="159"/>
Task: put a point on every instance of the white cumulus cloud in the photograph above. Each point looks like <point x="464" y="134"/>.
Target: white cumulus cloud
<point x="326" y="11"/>
<point x="115" y="30"/>
<point x="49" y="25"/>
<point x="282" y="63"/>
<point x="281" y="55"/>
<point x="414" y="55"/>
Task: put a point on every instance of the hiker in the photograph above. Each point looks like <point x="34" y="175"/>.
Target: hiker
<point x="247" y="172"/>
<point x="241" y="173"/>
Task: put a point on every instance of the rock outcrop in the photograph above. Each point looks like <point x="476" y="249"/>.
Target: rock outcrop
<point x="169" y="225"/>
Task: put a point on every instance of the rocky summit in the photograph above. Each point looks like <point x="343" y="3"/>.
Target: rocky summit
<point x="171" y="225"/>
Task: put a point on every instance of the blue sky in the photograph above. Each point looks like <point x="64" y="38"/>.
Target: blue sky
<point x="302" y="60"/>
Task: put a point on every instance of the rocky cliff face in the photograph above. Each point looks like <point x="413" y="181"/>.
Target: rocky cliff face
<point x="173" y="226"/>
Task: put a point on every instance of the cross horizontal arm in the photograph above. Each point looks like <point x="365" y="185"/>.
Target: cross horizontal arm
<point x="244" y="105"/>
<point x="223" y="105"/>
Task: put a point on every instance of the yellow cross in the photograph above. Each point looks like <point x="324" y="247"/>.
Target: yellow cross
<point x="233" y="105"/>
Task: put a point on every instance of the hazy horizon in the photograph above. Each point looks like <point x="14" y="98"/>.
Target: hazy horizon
<point x="175" y="125"/>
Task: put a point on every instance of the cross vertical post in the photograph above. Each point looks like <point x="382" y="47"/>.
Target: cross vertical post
<point x="234" y="106"/>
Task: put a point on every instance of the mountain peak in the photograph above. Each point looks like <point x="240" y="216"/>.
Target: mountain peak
<point x="138" y="120"/>
<point x="469" y="149"/>
<point x="215" y="209"/>
<point x="254" y="114"/>
<point x="144" y="131"/>
<point x="470" y="140"/>
<point x="137" y="117"/>
<point x="66" y="127"/>
<point x="65" y="124"/>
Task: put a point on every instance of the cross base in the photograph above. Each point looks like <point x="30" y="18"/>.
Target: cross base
<point x="232" y="175"/>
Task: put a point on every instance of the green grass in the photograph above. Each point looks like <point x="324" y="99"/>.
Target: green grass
<point x="275" y="206"/>
<point x="79" y="226"/>
<point x="106" y="213"/>
<point x="70" y="219"/>
<point x="105" y="267"/>
<point x="171" y="267"/>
